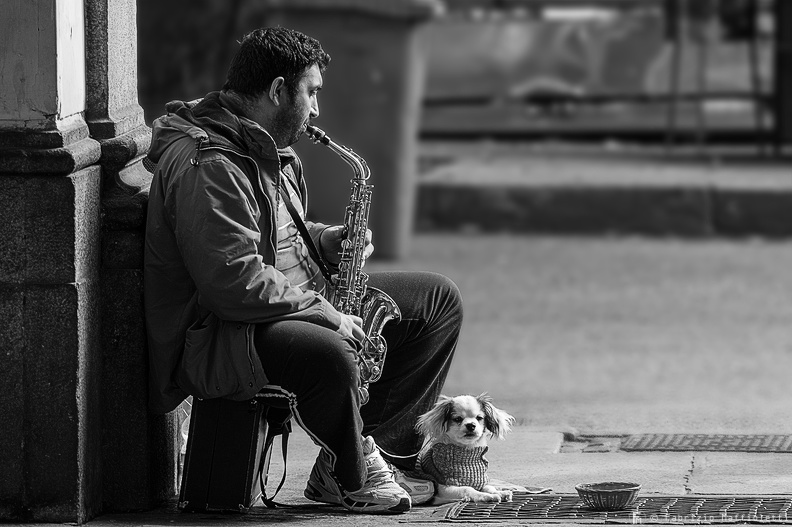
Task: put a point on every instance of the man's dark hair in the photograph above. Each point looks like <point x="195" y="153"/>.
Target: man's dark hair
<point x="265" y="54"/>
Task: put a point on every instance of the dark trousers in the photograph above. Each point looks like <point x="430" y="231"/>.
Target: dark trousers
<point x="316" y="370"/>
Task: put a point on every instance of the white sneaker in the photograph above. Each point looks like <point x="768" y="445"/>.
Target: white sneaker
<point x="420" y="490"/>
<point x="380" y="493"/>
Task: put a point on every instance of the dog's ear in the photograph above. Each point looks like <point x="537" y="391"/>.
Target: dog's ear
<point x="495" y="420"/>
<point x="433" y="424"/>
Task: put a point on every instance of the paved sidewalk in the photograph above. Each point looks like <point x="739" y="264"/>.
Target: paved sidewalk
<point x="597" y="335"/>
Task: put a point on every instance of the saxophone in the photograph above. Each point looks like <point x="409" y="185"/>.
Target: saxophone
<point x="348" y="291"/>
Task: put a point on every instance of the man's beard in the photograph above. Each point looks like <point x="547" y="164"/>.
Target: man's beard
<point x="286" y="127"/>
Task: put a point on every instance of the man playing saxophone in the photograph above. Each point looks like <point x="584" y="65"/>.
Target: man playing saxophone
<point x="236" y="304"/>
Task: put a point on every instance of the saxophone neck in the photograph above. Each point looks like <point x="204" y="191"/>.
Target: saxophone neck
<point x="358" y="164"/>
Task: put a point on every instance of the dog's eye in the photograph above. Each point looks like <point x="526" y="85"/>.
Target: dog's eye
<point x="457" y="419"/>
<point x="480" y="417"/>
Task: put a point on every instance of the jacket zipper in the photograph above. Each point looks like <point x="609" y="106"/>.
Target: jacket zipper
<point x="273" y="220"/>
<point x="277" y="203"/>
<point x="248" y="347"/>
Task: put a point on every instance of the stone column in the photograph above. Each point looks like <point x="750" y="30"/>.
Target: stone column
<point x="138" y="449"/>
<point x="50" y="445"/>
<point x="76" y="439"/>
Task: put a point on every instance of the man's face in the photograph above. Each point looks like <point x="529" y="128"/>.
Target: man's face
<point x="297" y="109"/>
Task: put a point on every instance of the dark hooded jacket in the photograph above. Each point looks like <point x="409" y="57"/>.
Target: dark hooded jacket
<point x="211" y="238"/>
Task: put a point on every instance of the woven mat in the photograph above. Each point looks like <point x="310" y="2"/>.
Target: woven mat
<point x="708" y="442"/>
<point x="677" y="510"/>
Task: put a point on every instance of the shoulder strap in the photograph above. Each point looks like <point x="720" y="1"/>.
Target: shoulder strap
<point x="300" y="224"/>
<point x="270" y="501"/>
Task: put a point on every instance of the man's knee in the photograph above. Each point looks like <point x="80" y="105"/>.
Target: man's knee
<point x="337" y="359"/>
<point x="448" y="294"/>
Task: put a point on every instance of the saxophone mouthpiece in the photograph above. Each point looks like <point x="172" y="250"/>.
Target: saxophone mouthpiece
<point x="317" y="135"/>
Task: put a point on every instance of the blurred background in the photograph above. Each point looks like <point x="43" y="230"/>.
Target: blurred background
<point x="608" y="181"/>
<point x="413" y="81"/>
<point x="603" y="67"/>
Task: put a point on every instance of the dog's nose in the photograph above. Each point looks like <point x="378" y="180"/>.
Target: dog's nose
<point x="471" y="426"/>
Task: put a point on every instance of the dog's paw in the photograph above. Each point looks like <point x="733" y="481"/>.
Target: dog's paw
<point x="505" y="495"/>
<point x="488" y="498"/>
<point x="471" y="494"/>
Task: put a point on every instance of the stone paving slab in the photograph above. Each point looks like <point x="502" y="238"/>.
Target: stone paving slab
<point x="513" y="461"/>
<point x="741" y="473"/>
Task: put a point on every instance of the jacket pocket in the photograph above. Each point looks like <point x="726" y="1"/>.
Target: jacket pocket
<point x="207" y="369"/>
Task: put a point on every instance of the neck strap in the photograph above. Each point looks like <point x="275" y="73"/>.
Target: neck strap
<point x="300" y="224"/>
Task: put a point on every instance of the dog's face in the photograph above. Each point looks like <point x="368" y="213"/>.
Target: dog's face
<point x="465" y="424"/>
<point x="464" y="420"/>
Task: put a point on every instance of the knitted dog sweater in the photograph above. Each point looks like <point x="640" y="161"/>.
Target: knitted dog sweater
<point x="455" y="465"/>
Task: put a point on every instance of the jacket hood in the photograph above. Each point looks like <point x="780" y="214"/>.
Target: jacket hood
<point x="209" y="122"/>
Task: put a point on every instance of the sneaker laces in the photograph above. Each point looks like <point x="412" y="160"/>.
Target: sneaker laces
<point x="397" y="472"/>
<point x="378" y="476"/>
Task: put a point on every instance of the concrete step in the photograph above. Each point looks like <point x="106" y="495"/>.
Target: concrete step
<point x="605" y="188"/>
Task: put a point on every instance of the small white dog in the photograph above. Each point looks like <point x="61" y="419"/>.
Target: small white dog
<point x="456" y="434"/>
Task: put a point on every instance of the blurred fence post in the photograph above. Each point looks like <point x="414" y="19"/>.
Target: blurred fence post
<point x="370" y="102"/>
